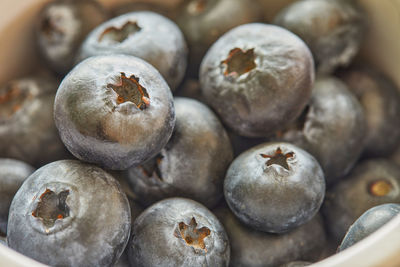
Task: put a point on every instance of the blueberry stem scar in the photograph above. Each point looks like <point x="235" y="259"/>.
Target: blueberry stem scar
<point x="122" y="33"/>
<point x="278" y="158"/>
<point x="192" y="236"/>
<point x="239" y="62"/>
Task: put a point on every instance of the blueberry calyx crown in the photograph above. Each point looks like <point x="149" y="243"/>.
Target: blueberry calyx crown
<point x="196" y="7"/>
<point x="151" y="168"/>
<point x="51" y="30"/>
<point x="51" y="207"/>
<point x="11" y="100"/>
<point x="380" y="188"/>
<point x="193" y="237"/>
<point x="278" y="158"/>
<point x="129" y="89"/>
<point x="120" y="34"/>
<point x="239" y="62"/>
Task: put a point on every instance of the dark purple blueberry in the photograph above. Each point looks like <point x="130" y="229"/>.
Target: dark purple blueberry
<point x="274" y="187"/>
<point x="147" y="35"/>
<point x="251" y="248"/>
<point x="380" y="99"/>
<point x="332" y="128"/>
<point x="369" y="222"/>
<point x="12" y="174"/>
<point x="258" y="78"/>
<point x="115" y="111"/>
<point x="193" y="163"/>
<point x="204" y="21"/>
<point x="62" y="26"/>
<point x="69" y="213"/>
<point x="370" y="184"/>
<point x="178" y="232"/>
<point x="27" y="129"/>
<point x="334" y="29"/>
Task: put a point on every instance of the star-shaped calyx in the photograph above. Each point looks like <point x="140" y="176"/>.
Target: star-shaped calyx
<point x="239" y="61"/>
<point x="11" y="100"/>
<point x="120" y="34"/>
<point x="151" y="168"/>
<point x="129" y="89"/>
<point x="193" y="237"/>
<point x="278" y="158"/>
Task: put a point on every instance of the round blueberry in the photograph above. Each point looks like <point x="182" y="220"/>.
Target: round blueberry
<point x="369" y="184"/>
<point x="252" y="248"/>
<point x="69" y="213"/>
<point x="334" y="30"/>
<point x="380" y="99"/>
<point x="192" y="164"/>
<point x="61" y="28"/>
<point x="12" y="174"/>
<point x="258" y="78"/>
<point x="178" y="232"/>
<point x="114" y="110"/>
<point x="143" y="34"/>
<point x="332" y="128"/>
<point x="274" y="187"/>
<point x="204" y="21"/>
<point x="369" y="222"/>
<point x="27" y="129"/>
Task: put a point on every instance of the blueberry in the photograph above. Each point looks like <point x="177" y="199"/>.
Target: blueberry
<point x="178" y="232"/>
<point x="252" y="248"/>
<point x="193" y="163"/>
<point x="12" y="174"/>
<point x="258" y="78"/>
<point x="114" y="110"/>
<point x="274" y="187"/>
<point x="380" y="99"/>
<point x="27" y="129"/>
<point x="61" y="28"/>
<point x="332" y="128"/>
<point x="371" y="183"/>
<point x="204" y="21"/>
<point x="162" y="8"/>
<point x="143" y="34"/>
<point x="296" y="264"/>
<point x="369" y="222"/>
<point x="69" y="213"/>
<point x="334" y="30"/>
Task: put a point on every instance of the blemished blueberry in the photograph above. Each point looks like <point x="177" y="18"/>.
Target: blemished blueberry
<point x="115" y="111"/>
<point x="332" y="128"/>
<point x="178" y="232"/>
<point x="369" y="222"/>
<point x="370" y="183"/>
<point x="258" y="78"/>
<point x="61" y="27"/>
<point x="274" y="187"/>
<point x="70" y="213"/>
<point x="380" y="99"/>
<point x="27" y="129"/>
<point x="204" y="21"/>
<point x="144" y="34"/>
<point x="12" y="174"/>
<point x="193" y="164"/>
<point x="251" y="248"/>
<point x="334" y="29"/>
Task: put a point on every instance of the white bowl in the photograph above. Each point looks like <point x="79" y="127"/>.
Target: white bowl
<point x="18" y="57"/>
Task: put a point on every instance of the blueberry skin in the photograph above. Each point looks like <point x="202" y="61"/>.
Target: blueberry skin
<point x="96" y="128"/>
<point x="155" y="39"/>
<point x="27" y="129"/>
<point x="192" y="164"/>
<point x="203" y="22"/>
<point x="370" y="183"/>
<point x="271" y="197"/>
<point x="155" y="239"/>
<point x="12" y="174"/>
<point x="332" y="128"/>
<point x="96" y="228"/>
<point x="61" y="28"/>
<point x="333" y="30"/>
<point x="251" y="248"/>
<point x="297" y="264"/>
<point x="380" y="99"/>
<point x="369" y="222"/>
<point x="271" y="91"/>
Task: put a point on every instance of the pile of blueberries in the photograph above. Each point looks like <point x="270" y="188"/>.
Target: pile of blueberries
<point x="197" y="135"/>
